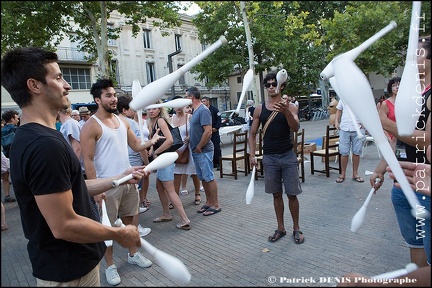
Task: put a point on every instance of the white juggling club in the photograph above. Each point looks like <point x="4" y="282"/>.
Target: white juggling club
<point x="136" y="88"/>
<point x="251" y="188"/>
<point x="174" y="268"/>
<point x="162" y="161"/>
<point x="356" y="91"/>
<point x="176" y="103"/>
<point x="408" y="101"/>
<point x="247" y="80"/>
<point x="359" y="217"/>
<point x="281" y="77"/>
<point x="397" y="273"/>
<point x="155" y="90"/>
<point x="106" y="222"/>
<point x="353" y="53"/>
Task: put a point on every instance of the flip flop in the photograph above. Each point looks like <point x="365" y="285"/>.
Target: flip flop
<point x="211" y="211"/>
<point x="358" y="179"/>
<point x="340" y="179"/>
<point x="297" y="237"/>
<point x="183" y="227"/>
<point x="203" y="209"/>
<point x="276" y="236"/>
<point x="159" y="219"/>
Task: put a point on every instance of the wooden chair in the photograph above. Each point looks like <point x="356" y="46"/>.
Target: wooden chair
<point x="298" y="140"/>
<point x="259" y="173"/>
<point x="331" y="149"/>
<point x="239" y="154"/>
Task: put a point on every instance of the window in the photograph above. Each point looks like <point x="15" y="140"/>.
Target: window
<point x="182" y="78"/>
<point x="151" y="72"/>
<point x="178" y="42"/>
<point x="147" y="39"/>
<point x="78" y="78"/>
<point x="239" y="80"/>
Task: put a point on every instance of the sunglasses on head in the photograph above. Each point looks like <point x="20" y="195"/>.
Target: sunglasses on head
<point x="267" y="85"/>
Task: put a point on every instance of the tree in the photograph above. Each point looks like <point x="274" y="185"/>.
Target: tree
<point x="83" y="22"/>
<point x="273" y="46"/>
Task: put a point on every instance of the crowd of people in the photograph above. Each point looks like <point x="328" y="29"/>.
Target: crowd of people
<point x="86" y="157"/>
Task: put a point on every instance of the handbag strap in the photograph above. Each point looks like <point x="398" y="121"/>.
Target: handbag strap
<point x="270" y="119"/>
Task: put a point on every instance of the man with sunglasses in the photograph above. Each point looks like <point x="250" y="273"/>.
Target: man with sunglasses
<point x="278" y="119"/>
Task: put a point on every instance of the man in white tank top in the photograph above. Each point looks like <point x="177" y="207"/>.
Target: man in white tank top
<point x="104" y="140"/>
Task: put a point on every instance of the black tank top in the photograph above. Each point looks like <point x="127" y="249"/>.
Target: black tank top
<point x="277" y="139"/>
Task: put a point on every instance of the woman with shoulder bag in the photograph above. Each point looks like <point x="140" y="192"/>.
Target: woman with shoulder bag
<point x="181" y="120"/>
<point x="158" y="118"/>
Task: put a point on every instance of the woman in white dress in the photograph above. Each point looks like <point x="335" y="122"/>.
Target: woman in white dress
<point x="181" y="119"/>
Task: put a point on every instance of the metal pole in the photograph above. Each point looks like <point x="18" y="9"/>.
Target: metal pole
<point x="170" y="67"/>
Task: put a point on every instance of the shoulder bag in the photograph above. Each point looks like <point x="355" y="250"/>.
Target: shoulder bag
<point x="183" y="156"/>
<point x="177" y="139"/>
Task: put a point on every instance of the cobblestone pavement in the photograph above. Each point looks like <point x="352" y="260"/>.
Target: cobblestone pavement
<point x="231" y="247"/>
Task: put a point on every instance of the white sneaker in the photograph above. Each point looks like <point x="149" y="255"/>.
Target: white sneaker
<point x="140" y="260"/>
<point x="112" y="276"/>
<point x="143" y="231"/>
<point x="142" y="209"/>
<point x="202" y="189"/>
<point x="184" y="192"/>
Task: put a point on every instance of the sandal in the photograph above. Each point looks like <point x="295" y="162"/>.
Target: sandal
<point x="297" y="238"/>
<point x="340" y="179"/>
<point x="358" y="179"/>
<point x="197" y="201"/>
<point x="276" y="236"/>
<point x="4" y="227"/>
<point x="146" y="203"/>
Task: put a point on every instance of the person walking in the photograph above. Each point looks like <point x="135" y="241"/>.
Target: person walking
<point x="215" y="137"/>
<point x="182" y="120"/>
<point x="202" y="151"/>
<point x="278" y="119"/>
<point x="104" y="141"/>
<point x="65" y="237"/>
<point x="348" y="142"/>
<point x="158" y="121"/>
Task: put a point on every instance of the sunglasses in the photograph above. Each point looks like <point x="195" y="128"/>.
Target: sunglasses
<point x="267" y="85"/>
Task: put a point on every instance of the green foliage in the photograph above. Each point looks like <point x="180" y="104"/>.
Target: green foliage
<point x="44" y="23"/>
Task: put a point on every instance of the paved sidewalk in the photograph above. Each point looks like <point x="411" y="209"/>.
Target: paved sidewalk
<point x="231" y="247"/>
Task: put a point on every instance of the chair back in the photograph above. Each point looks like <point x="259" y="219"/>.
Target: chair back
<point x="240" y="144"/>
<point x="298" y="140"/>
<point x="259" y="144"/>
<point x="332" y="134"/>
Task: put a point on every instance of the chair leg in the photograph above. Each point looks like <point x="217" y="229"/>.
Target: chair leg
<point x="234" y="169"/>
<point x="302" y="171"/>
<point x="327" y="166"/>
<point x="312" y="163"/>
<point x="220" y="168"/>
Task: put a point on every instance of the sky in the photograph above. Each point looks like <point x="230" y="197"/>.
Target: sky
<point x="194" y="9"/>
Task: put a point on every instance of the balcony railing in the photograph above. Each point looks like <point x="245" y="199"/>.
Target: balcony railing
<point x="71" y="54"/>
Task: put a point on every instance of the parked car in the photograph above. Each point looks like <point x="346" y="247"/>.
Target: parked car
<point x="229" y="118"/>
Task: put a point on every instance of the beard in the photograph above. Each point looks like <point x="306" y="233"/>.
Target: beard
<point x="108" y="108"/>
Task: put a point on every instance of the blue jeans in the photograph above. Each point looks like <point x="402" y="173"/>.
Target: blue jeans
<point x="415" y="231"/>
<point x="204" y="165"/>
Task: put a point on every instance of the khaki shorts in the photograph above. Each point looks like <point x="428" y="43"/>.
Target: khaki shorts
<point x="122" y="201"/>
